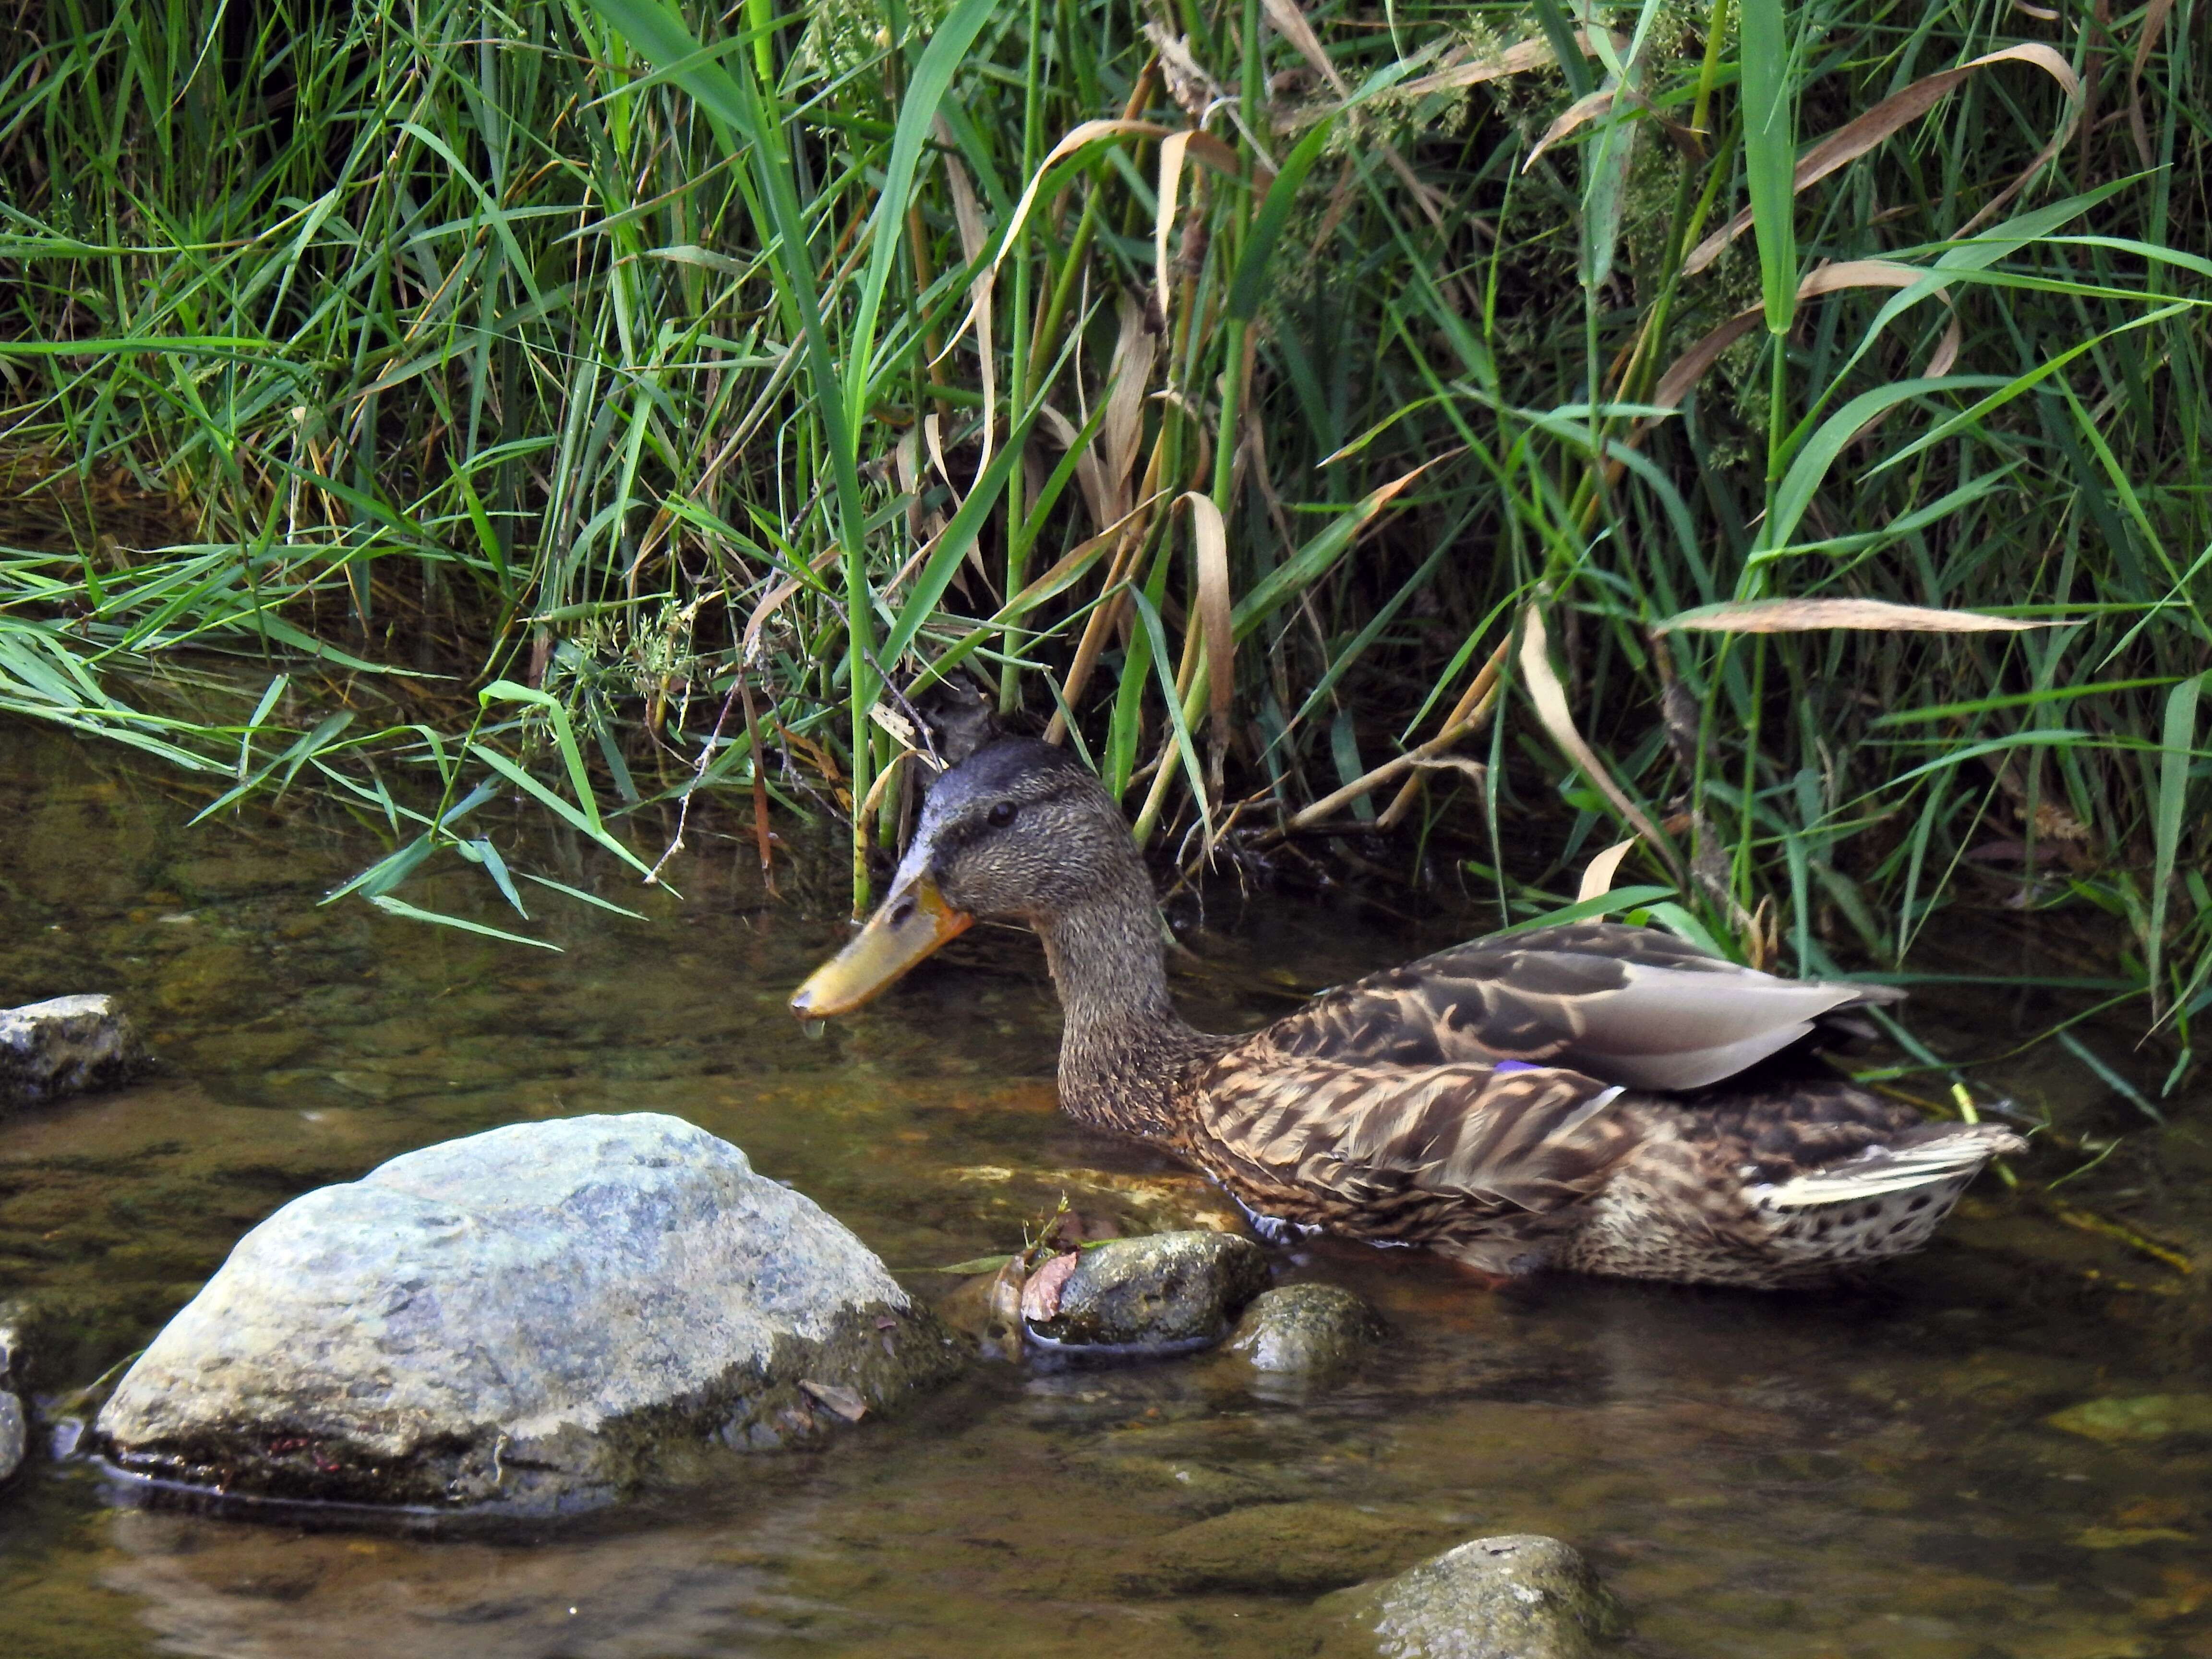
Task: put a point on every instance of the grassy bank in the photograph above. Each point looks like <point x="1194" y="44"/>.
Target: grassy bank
<point x="1483" y="427"/>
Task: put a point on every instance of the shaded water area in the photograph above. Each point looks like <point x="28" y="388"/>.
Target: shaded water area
<point x="1869" y="1471"/>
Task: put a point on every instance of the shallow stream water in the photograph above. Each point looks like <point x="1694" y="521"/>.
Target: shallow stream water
<point x="1865" y="1472"/>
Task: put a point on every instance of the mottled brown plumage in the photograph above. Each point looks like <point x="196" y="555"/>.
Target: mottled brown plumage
<point x="1590" y="1096"/>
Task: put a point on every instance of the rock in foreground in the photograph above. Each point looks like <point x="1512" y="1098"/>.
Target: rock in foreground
<point x="1520" y="1596"/>
<point x="1306" y="1330"/>
<point x="65" y="1046"/>
<point x="1164" y="1291"/>
<point x="537" y="1318"/>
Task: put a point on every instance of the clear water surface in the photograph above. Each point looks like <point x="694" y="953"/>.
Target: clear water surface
<point x="1868" y="1472"/>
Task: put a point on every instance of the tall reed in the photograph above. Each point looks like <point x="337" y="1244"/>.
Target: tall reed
<point x="1262" y="397"/>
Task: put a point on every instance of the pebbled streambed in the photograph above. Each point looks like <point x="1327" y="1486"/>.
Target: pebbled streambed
<point x="1871" y="1472"/>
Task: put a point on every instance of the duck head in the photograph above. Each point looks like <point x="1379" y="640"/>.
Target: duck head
<point x="1019" y="831"/>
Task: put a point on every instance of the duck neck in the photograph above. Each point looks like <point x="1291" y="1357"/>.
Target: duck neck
<point x="1124" y="1049"/>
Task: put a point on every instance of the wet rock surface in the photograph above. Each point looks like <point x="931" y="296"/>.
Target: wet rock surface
<point x="1167" y="1292"/>
<point x="542" y="1317"/>
<point x="2141" y="1420"/>
<point x="1279" y="1549"/>
<point x="64" y="1046"/>
<point x="1307" y="1330"/>
<point x="15" y="1434"/>
<point x="1518" y="1596"/>
<point x="14" y="1426"/>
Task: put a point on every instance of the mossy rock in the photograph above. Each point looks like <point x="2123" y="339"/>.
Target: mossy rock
<point x="1163" y="1292"/>
<point x="1517" y="1596"/>
<point x="1306" y="1330"/>
<point x="1278" y="1549"/>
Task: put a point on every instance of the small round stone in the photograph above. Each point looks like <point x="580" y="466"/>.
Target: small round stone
<point x="1306" y="1329"/>
<point x="1164" y="1291"/>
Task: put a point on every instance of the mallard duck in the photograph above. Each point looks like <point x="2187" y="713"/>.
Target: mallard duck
<point x="1592" y="1096"/>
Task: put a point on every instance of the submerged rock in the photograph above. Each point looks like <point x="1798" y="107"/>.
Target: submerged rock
<point x="1519" y="1597"/>
<point x="1312" y="1330"/>
<point x="14" y="1427"/>
<point x="64" y="1046"/>
<point x="15" y="1434"/>
<point x="2140" y="1420"/>
<point x="1165" y="1290"/>
<point x="541" y="1317"/>
<point x="1278" y="1549"/>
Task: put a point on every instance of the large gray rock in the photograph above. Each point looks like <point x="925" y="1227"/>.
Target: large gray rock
<point x="1520" y="1596"/>
<point x="541" y="1317"/>
<point x="1163" y="1290"/>
<point x="65" y="1046"/>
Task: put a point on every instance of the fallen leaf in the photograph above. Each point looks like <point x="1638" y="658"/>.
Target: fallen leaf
<point x="1041" y="1296"/>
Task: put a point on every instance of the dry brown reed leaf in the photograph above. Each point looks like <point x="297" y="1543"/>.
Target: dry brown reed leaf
<point x="1807" y="616"/>
<point x="1210" y="535"/>
<point x="1598" y="875"/>
<point x="1468" y="715"/>
<point x="1172" y="149"/>
<point x="906" y="465"/>
<point x="773" y="601"/>
<point x="1104" y="618"/>
<point x="1123" y="435"/>
<point x="974" y="237"/>
<point x="1090" y="480"/>
<point x="1583" y="109"/>
<point x="1901" y="109"/>
<point x="1203" y="147"/>
<point x="1687" y="370"/>
<point x="1517" y="59"/>
<point x="1550" y="698"/>
<point x="1291" y="23"/>
<point x="2154" y="26"/>
<point x="1188" y="83"/>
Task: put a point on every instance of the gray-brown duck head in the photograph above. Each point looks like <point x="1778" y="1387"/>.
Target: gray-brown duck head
<point x="1020" y="831"/>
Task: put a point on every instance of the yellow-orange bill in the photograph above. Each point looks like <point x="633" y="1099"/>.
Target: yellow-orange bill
<point x="910" y="924"/>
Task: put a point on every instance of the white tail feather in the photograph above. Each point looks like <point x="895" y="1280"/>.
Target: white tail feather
<point x="1881" y="1171"/>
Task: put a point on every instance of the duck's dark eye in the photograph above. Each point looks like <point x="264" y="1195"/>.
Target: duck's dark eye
<point x="1002" y="815"/>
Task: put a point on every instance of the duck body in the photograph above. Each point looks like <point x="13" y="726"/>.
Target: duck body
<point x="1591" y="1097"/>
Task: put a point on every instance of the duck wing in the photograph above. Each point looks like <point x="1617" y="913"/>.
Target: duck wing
<point x="1418" y="1154"/>
<point x="1624" y="1005"/>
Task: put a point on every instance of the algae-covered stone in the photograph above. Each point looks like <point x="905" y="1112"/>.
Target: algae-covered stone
<point x="1163" y="1290"/>
<point x="1278" y="1549"/>
<point x="541" y="1317"/>
<point x="1311" y="1330"/>
<point x="2140" y="1420"/>
<point x="65" y="1046"/>
<point x="1519" y="1597"/>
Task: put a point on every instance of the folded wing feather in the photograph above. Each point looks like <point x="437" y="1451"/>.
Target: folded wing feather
<point x="1624" y="1004"/>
